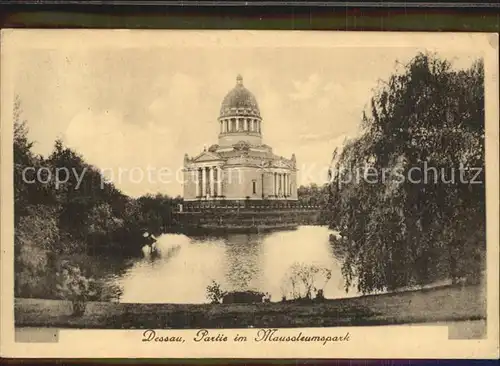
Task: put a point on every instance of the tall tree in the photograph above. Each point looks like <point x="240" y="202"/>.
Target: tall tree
<point x="23" y="158"/>
<point x="412" y="222"/>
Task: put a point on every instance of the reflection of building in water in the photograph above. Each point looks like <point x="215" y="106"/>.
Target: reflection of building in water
<point x="243" y="270"/>
<point x="240" y="166"/>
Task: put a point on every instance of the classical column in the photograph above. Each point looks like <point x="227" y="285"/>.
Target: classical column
<point x="203" y="182"/>
<point x="275" y="184"/>
<point x="245" y="124"/>
<point x="219" y="181"/>
<point x="197" y="182"/>
<point x="212" y="181"/>
<point x="282" y="184"/>
<point x="288" y="184"/>
<point x="221" y="127"/>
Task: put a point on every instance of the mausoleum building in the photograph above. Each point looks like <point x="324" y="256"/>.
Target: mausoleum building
<point x="239" y="167"/>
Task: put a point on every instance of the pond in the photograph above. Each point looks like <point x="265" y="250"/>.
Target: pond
<point x="238" y="262"/>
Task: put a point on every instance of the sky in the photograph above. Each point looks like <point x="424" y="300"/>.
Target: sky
<point x="127" y="106"/>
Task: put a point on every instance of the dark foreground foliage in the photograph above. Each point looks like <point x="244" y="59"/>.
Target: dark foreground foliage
<point x="55" y="222"/>
<point x="402" y="227"/>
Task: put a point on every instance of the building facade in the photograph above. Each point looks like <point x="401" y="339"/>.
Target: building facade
<point x="239" y="167"/>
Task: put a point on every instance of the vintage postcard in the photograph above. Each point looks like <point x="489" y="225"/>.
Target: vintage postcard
<point x="242" y="194"/>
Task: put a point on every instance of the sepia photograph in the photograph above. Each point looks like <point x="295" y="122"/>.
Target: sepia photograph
<point x="304" y="187"/>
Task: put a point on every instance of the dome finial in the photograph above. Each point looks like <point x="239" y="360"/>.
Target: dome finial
<point x="239" y="79"/>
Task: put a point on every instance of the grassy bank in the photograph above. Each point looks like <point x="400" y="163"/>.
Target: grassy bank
<point x="432" y="305"/>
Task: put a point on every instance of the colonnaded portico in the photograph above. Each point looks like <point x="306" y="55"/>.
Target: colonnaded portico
<point x="208" y="181"/>
<point x="239" y="166"/>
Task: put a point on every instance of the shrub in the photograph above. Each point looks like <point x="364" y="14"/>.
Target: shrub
<point x="73" y="285"/>
<point x="302" y="279"/>
<point x="36" y="240"/>
<point x="214" y="293"/>
<point x="319" y="295"/>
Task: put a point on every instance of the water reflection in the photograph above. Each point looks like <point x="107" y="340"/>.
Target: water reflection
<point x="187" y="265"/>
<point x="242" y="257"/>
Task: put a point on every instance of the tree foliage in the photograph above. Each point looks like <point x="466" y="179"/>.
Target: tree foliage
<point x="410" y="227"/>
<point x="312" y="194"/>
<point x="73" y="285"/>
<point x="215" y="293"/>
<point x="84" y="215"/>
<point x="316" y="195"/>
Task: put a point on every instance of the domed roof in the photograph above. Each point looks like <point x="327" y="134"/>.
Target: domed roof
<point x="239" y="101"/>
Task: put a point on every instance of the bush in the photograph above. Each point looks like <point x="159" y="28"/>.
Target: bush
<point x="74" y="286"/>
<point x="319" y="296"/>
<point x="214" y="293"/>
<point x="302" y="280"/>
<point x="36" y="240"/>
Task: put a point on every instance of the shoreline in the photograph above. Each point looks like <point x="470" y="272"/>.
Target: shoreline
<point x="442" y="304"/>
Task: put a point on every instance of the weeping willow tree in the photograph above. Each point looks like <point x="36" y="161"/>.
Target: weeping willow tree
<point x="408" y="195"/>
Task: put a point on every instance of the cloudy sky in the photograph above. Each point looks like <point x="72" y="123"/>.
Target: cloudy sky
<point x="128" y="105"/>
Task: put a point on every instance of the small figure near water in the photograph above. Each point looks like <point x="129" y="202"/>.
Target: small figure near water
<point x="150" y="245"/>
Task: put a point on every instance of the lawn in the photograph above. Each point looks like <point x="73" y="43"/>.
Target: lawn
<point x="447" y="303"/>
